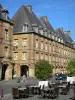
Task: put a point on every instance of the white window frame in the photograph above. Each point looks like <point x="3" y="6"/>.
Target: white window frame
<point x="24" y="42"/>
<point x="15" y="55"/>
<point x="15" y="42"/>
<point x="24" y="55"/>
<point x="25" y="28"/>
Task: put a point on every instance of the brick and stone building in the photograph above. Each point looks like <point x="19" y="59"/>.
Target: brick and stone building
<point x="6" y="30"/>
<point x="35" y="39"/>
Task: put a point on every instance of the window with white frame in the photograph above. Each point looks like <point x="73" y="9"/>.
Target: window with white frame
<point x="45" y="33"/>
<point x="37" y="43"/>
<point x="49" y="35"/>
<point x="15" y="42"/>
<point x="41" y="44"/>
<point x="25" y="28"/>
<point x="58" y="39"/>
<point x="41" y="31"/>
<point x="15" y="55"/>
<point x="35" y="28"/>
<point x="24" y="55"/>
<point x="52" y="36"/>
<point x="24" y="42"/>
<point x="6" y="34"/>
<point x="6" y="51"/>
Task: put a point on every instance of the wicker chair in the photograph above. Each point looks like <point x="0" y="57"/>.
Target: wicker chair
<point x="15" y="93"/>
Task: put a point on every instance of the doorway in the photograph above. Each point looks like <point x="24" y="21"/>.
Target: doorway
<point x="24" y="70"/>
<point x="4" y="68"/>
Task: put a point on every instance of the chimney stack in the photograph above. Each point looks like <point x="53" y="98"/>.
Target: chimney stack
<point x="67" y="33"/>
<point x="44" y="17"/>
<point x="29" y="8"/>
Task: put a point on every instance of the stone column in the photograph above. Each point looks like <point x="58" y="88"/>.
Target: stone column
<point x="8" y="73"/>
<point x="0" y="69"/>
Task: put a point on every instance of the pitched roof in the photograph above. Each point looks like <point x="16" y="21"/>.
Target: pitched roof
<point x="46" y="24"/>
<point x="22" y="16"/>
<point x="66" y="38"/>
<point x="2" y="17"/>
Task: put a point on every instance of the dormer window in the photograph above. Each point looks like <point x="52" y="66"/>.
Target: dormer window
<point x="61" y="40"/>
<point x="45" y="33"/>
<point x="5" y="13"/>
<point x="49" y="35"/>
<point x="25" y="27"/>
<point x="52" y="36"/>
<point x="35" y="27"/>
<point x="40" y="30"/>
<point x="56" y="38"/>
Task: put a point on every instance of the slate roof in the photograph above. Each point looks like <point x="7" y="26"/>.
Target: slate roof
<point x="22" y="16"/>
<point x="66" y="38"/>
<point x="47" y="25"/>
<point x="3" y="17"/>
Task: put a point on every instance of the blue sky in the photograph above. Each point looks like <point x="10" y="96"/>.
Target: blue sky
<point x="60" y="13"/>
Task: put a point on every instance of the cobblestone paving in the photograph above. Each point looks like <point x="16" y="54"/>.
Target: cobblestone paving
<point x="36" y="97"/>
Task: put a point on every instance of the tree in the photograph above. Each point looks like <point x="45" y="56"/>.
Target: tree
<point x="71" y="67"/>
<point x="43" y="70"/>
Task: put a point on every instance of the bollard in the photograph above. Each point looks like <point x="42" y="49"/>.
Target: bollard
<point x="2" y="93"/>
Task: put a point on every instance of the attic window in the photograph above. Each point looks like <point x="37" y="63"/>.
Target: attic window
<point x="61" y="40"/>
<point x="35" y="27"/>
<point x="56" y="38"/>
<point x="25" y="28"/>
<point x="45" y="32"/>
<point x="41" y="30"/>
<point x="49" y="35"/>
<point x="52" y="36"/>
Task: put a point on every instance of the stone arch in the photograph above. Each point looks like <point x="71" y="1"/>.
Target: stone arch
<point x="4" y="68"/>
<point x="24" y="69"/>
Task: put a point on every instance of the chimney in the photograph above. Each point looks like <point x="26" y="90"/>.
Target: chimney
<point x="29" y="8"/>
<point x="44" y="17"/>
<point x="67" y="33"/>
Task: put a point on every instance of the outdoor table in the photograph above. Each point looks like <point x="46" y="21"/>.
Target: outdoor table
<point x="23" y="88"/>
<point x="62" y="86"/>
<point x="48" y="89"/>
